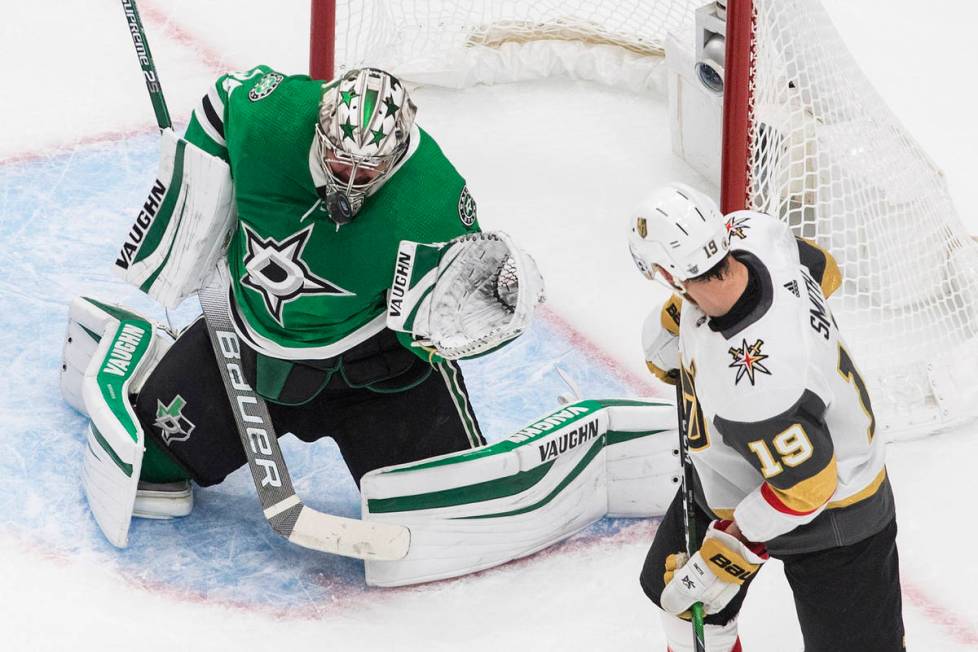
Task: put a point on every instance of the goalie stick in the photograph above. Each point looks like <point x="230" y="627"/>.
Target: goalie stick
<point x="283" y="509"/>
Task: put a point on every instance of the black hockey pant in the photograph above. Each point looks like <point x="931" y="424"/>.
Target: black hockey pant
<point x="371" y="428"/>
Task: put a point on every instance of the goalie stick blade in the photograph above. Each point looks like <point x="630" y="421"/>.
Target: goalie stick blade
<point x="350" y="537"/>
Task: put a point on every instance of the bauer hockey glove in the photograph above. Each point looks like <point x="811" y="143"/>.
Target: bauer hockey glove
<point x="713" y="575"/>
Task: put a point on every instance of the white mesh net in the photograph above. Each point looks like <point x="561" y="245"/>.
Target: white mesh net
<point x="830" y="158"/>
<point x="827" y="156"/>
<point x="459" y="43"/>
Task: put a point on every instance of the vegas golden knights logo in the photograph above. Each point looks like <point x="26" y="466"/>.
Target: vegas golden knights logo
<point x="643" y="227"/>
<point x="697" y="435"/>
<point x="748" y="360"/>
<point x="736" y="226"/>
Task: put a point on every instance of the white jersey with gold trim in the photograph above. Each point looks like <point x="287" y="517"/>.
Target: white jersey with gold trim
<point x="781" y="428"/>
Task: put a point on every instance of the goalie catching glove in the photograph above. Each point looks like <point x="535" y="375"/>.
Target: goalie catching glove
<point x="714" y="574"/>
<point x="464" y="297"/>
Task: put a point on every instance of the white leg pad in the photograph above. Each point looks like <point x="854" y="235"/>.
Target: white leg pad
<point x="87" y="322"/>
<point x="114" y="451"/>
<point x="644" y="469"/>
<point x="475" y="509"/>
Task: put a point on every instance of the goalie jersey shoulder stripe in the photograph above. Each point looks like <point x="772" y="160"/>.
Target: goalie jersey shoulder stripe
<point x="207" y="125"/>
<point x="213" y="119"/>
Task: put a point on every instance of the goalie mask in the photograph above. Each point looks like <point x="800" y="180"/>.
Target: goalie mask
<point x="365" y="119"/>
<point x="678" y="230"/>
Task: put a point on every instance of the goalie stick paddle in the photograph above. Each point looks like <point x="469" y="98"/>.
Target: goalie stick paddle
<point x="283" y="509"/>
<point x="696" y="610"/>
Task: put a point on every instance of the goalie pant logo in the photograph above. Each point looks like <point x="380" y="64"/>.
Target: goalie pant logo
<point x="568" y="441"/>
<point x="142" y="225"/>
<point x="243" y="399"/>
<point x="173" y="425"/>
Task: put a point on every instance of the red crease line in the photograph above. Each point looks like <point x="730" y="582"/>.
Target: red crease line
<point x="209" y="56"/>
<point x="957" y="628"/>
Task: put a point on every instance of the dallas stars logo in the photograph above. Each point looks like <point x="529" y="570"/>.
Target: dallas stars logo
<point x="466" y="207"/>
<point x="171" y="422"/>
<point x="277" y="272"/>
<point x="747" y="360"/>
<point x="737" y="225"/>
<point x="265" y="86"/>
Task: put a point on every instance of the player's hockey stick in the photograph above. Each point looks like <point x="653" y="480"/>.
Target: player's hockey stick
<point x="283" y="509"/>
<point x="696" y="611"/>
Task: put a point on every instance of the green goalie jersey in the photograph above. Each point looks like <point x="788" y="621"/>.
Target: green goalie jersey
<point x="301" y="288"/>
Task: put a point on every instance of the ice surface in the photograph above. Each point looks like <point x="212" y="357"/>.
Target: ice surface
<point x="555" y="164"/>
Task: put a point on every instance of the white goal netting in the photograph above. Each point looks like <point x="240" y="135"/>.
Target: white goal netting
<point x="832" y="160"/>
<point x="826" y="156"/>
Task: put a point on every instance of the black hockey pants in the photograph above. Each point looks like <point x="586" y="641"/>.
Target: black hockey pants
<point x="426" y="414"/>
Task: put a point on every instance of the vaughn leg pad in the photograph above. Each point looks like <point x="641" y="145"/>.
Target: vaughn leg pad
<point x="475" y="509"/>
<point x="126" y="345"/>
<point x="88" y="320"/>
<point x="644" y="469"/>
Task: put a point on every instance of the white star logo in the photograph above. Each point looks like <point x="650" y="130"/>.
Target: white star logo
<point x="276" y="271"/>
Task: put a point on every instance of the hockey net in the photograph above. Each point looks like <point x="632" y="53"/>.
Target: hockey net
<point x="806" y="138"/>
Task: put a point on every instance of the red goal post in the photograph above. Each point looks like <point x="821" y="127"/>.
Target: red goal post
<point x="322" y="34"/>
<point x="735" y="144"/>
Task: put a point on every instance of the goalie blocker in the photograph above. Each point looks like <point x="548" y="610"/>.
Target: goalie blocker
<point x="181" y="233"/>
<point x="473" y="510"/>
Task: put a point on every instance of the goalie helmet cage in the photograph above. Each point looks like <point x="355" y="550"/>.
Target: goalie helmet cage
<point x="805" y="137"/>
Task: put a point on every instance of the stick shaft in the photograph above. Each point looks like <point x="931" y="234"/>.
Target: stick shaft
<point x="146" y="63"/>
<point x="254" y="424"/>
<point x="689" y="504"/>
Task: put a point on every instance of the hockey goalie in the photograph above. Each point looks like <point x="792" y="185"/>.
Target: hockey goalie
<point x="350" y="261"/>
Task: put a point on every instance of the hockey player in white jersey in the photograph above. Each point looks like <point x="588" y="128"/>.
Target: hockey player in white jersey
<point x="780" y="431"/>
